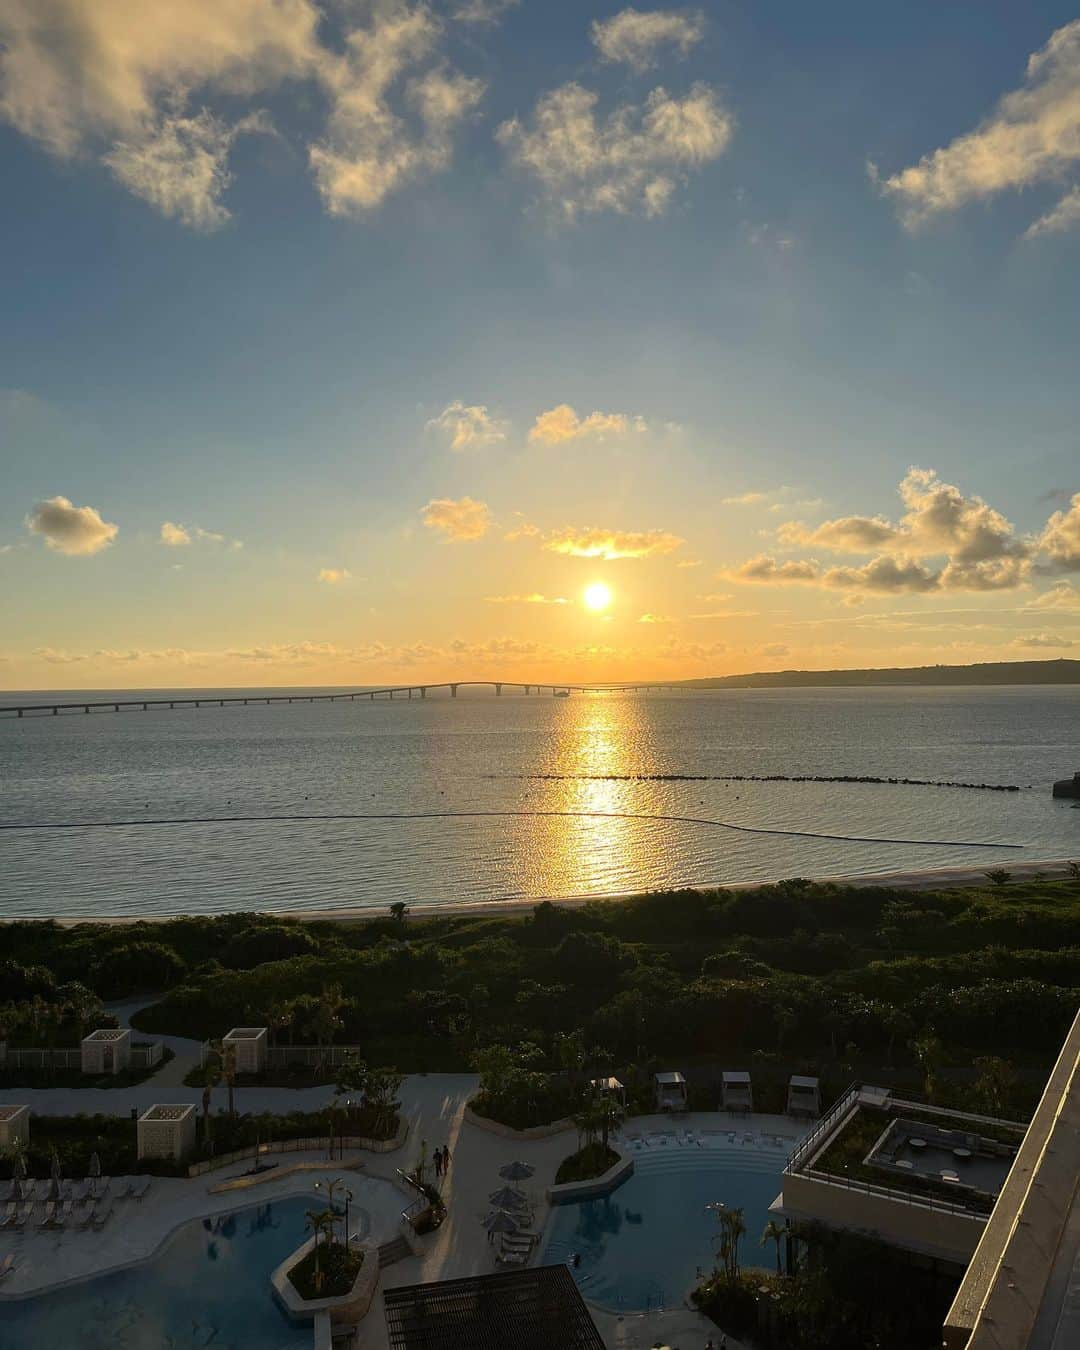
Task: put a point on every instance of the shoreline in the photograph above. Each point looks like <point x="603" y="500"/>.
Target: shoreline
<point x="909" y="879"/>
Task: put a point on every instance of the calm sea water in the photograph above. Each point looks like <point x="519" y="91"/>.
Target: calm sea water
<point x="536" y="754"/>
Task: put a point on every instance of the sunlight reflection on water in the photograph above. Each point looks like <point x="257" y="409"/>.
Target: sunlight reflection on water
<point x="487" y="754"/>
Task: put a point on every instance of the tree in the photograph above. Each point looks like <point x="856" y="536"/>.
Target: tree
<point x="569" y="1047"/>
<point x="897" y="1023"/>
<point x="381" y="1087"/>
<point x="135" y="968"/>
<point x="225" y="1053"/>
<point x="732" y="1228"/>
<point x="998" y="876"/>
<point x="399" y="911"/>
<point x="280" y="1014"/>
<point x="326" y="1020"/>
<point x="320" y="1221"/>
<point x="263" y="943"/>
<point x="211" y="1078"/>
<point x="930" y="1054"/>
<point x="774" y="1232"/>
<point x="994" y="1086"/>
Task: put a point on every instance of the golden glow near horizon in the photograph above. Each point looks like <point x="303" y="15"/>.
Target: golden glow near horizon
<point x="597" y="597"/>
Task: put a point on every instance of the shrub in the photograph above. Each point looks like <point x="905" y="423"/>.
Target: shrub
<point x="137" y="968"/>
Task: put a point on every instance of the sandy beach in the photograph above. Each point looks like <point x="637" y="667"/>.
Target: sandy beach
<point x="925" y="880"/>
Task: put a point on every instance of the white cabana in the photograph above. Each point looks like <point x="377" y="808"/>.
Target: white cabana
<point x="609" y="1087"/>
<point x="250" y="1045"/>
<point x="107" y="1050"/>
<point x="670" y="1091"/>
<point x="803" y="1096"/>
<point x="737" y="1092"/>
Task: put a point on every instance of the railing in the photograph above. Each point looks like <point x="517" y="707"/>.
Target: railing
<point x="29" y="1057"/>
<point x="842" y="1104"/>
<point x="279" y="1056"/>
<point x="312" y="1144"/>
<point x="922" y="1200"/>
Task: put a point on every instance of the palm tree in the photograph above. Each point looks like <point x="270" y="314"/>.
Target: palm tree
<point x="399" y="911"/>
<point x="327" y="1016"/>
<point x="279" y="1016"/>
<point x="736" y="1227"/>
<point x="211" y="1078"/>
<point x="774" y="1232"/>
<point x="226" y="1069"/>
<point x="320" y="1221"/>
<point x="930" y="1053"/>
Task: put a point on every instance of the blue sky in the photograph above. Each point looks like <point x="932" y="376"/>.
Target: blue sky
<point x="251" y="262"/>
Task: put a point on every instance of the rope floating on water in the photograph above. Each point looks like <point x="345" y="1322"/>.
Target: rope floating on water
<point x="755" y="778"/>
<point x="478" y="815"/>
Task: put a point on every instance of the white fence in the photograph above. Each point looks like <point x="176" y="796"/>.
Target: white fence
<point x="26" y="1057"/>
<point x="305" y="1056"/>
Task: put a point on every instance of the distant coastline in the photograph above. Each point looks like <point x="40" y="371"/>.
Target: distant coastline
<point x="1059" y="671"/>
<point x="1053" y="672"/>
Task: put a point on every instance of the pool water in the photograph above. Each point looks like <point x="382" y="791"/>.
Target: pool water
<point x="209" y="1286"/>
<point x="644" y="1245"/>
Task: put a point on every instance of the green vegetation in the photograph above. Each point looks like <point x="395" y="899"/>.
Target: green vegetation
<point x="1058" y="671"/>
<point x="591" y="1161"/>
<point x="910" y="988"/>
<point x="856" y="1294"/>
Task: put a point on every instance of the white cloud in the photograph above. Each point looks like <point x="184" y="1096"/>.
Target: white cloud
<point x="631" y="161"/>
<point x="77" y="531"/>
<point x="1043" y="640"/>
<point x="461" y="520"/>
<point x="1032" y="137"/>
<point x="744" y="499"/>
<point x="562" y="423"/>
<point x="766" y="569"/>
<point x="656" y="618"/>
<point x="175" y="536"/>
<point x="981" y="548"/>
<point x="145" y="84"/>
<point x="532" y="598"/>
<point x="1061" y="538"/>
<point x="334" y="576"/>
<point x="482" y="11"/>
<point x="370" y="149"/>
<point x="1064" y="216"/>
<point x="469" y="427"/>
<point x="884" y="575"/>
<point x="1061" y="595"/>
<point x="634" y="37"/>
<point x="594" y="542"/>
<point x="180" y="165"/>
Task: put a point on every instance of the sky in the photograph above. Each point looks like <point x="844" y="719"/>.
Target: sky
<point x="352" y="342"/>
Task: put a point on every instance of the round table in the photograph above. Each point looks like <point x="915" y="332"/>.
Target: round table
<point x="917" y="1143"/>
<point x="962" y="1154"/>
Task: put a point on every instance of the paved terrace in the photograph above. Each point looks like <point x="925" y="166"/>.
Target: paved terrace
<point x="434" y="1107"/>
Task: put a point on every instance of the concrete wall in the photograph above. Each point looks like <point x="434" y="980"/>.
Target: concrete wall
<point x="915" y="1226"/>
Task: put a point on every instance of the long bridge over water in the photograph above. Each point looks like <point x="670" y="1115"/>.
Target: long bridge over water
<point x="407" y="691"/>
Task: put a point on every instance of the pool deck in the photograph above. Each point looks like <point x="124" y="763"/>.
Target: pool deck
<point x="434" y="1106"/>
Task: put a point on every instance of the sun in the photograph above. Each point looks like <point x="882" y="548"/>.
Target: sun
<point x="597" y="597"/>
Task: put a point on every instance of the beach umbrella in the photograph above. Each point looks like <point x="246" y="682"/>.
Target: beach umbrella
<point x="508" y="1198"/>
<point x="54" y="1190"/>
<point x="94" y="1170"/>
<point x="55" y="1170"/>
<point x="516" y="1171"/>
<point x="501" y="1222"/>
<point x="19" y="1169"/>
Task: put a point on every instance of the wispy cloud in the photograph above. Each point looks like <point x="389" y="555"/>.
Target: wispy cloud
<point x="77" y="531"/>
<point x="469" y="426"/>
<point x="632" y="160"/>
<point x="594" y="542"/>
<point x="174" y="535"/>
<point x="334" y="576"/>
<point x="460" y="520"/>
<point x="562" y="423"/>
<point x="1032" y="137"/>
<point x="532" y="598"/>
<point x="1043" y="640"/>
<point x="635" y="38"/>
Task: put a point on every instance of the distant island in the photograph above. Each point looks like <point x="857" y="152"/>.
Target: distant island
<point x="987" y="672"/>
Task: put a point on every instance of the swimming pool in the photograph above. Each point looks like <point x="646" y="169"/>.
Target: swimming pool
<point x="642" y="1246"/>
<point x="209" y="1286"/>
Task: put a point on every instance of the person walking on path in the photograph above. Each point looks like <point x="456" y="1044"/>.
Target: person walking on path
<point x="446" y="1158"/>
<point x="438" y="1164"/>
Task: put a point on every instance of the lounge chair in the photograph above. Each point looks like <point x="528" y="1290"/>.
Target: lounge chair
<point x="85" y="1217"/>
<point x="122" y="1188"/>
<point x="46" y="1220"/>
<point x="23" y="1216"/>
<point x="101" y="1215"/>
<point x="9" y="1214"/>
<point x="7" y="1265"/>
<point x="69" y="1211"/>
<point x="511" y="1258"/>
<point x="139" y="1188"/>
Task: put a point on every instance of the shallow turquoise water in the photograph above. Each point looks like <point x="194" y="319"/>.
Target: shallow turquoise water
<point x="644" y="1245"/>
<point x="208" y="1287"/>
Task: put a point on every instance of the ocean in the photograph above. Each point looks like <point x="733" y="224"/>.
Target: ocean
<point x="358" y="805"/>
